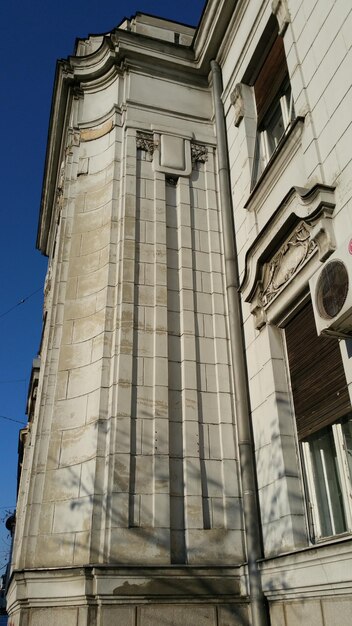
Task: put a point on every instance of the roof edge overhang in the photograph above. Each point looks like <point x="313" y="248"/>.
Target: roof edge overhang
<point x="78" y="72"/>
<point x="123" y="48"/>
<point x="64" y="79"/>
<point x="211" y="31"/>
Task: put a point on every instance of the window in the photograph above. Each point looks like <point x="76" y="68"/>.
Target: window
<point x="274" y="104"/>
<point x="274" y="126"/>
<point x="324" y="424"/>
<point x="327" y="460"/>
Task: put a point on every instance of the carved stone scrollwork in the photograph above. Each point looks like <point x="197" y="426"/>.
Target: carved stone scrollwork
<point x="60" y="187"/>
<point x="285" y="263"/>
<point x="285" y="254"/>
<point x="47" y="283"/>
<point x="61" y="181"/>
<point x="237" y="102"/>
<point x="199" y="153"/>
<point x="323" y="234"/>
<point x="281" y="12"/>
<point x="75" y="138"/>
<point x="145" y="142"/>
<point x="259" y="314"/>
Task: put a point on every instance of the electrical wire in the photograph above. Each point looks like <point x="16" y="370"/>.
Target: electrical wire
<point x="11" y="419"/>
<point x="20" y="302"/>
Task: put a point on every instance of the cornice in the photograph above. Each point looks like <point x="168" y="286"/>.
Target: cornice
<point x="140" y="49"/>
<point x="64" y="81"/>
<point x="121" y="51"/>
<point x="94" y="65"/>
<point x="118" y="51"/>
<point x="119" y="45"/>
<point x="211" y="31"/>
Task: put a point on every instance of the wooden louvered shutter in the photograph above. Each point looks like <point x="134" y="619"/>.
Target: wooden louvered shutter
<point x="318" y="379"/>
<point x="270" y="78"/>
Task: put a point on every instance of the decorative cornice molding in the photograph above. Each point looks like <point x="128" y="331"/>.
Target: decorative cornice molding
<point x="96" y="65"/>
<point x="59" y="122"/>
<point x="69" y="584"/>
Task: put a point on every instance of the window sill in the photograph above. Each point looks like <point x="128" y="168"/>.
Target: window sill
<point x="327" y="541"/>
<point x="320" y="544"/>
<point x="286" y="146"/>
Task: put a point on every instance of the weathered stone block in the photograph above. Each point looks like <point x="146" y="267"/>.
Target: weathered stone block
<point x="53" y="616"/>
<point x="235" y="615"/>
<point x="305" y="611"/>
<point x="113" y="616"/>
<point x="171" y="615"/>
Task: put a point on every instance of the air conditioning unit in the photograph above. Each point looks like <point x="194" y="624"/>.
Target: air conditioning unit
<point x="331" y="293"/>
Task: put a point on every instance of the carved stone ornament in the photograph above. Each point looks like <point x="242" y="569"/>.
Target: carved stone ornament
<point x="323" y="234"/>
<point x="285" y="263"/>
<point x="47" y="283"/>
<point x="60" y="187"/>
<point x="281" y="12"/>
<point x="75" y="138"/>
<point x="199" y="153"/>
<point x="145" y="142"/>
<point x="61" y="181"/>
<point x="286" y="253"/>
<point x="238" y="104"/>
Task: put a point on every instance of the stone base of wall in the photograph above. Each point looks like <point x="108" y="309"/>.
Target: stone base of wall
<point x="128" y="596"/>
<point x="335" y="611"/>
<point x="310" y="586"/>
<point x="151" y="615"/>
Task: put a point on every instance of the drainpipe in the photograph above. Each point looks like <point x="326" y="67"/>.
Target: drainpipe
<point x="258" y="603"/>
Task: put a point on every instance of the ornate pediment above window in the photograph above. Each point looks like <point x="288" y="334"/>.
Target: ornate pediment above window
<point x="287" y="252"/>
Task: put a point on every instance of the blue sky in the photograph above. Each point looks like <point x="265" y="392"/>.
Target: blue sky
<point x="33" y="35"/>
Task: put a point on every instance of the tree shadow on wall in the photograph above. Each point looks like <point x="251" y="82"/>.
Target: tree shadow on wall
<point x="107" y="512"/>
<point x="138" y="579"/>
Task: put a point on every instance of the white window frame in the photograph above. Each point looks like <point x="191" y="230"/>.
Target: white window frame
<point x="345" y="484"/>
<point x="265" y="152"/>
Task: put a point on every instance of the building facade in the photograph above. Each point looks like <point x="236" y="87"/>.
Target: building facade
<point x="188" y="454"/>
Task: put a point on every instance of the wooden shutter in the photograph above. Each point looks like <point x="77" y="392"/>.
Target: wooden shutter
<point x="318" y="379"/>
<point x="270" y="78"/>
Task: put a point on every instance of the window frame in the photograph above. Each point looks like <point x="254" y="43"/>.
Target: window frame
<point x="268" y="76"/>
<point x="316" y="411"/>
<point x="284" y="104"/>
<point x="345" y="483"/>
<point x="264" y="152"/>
